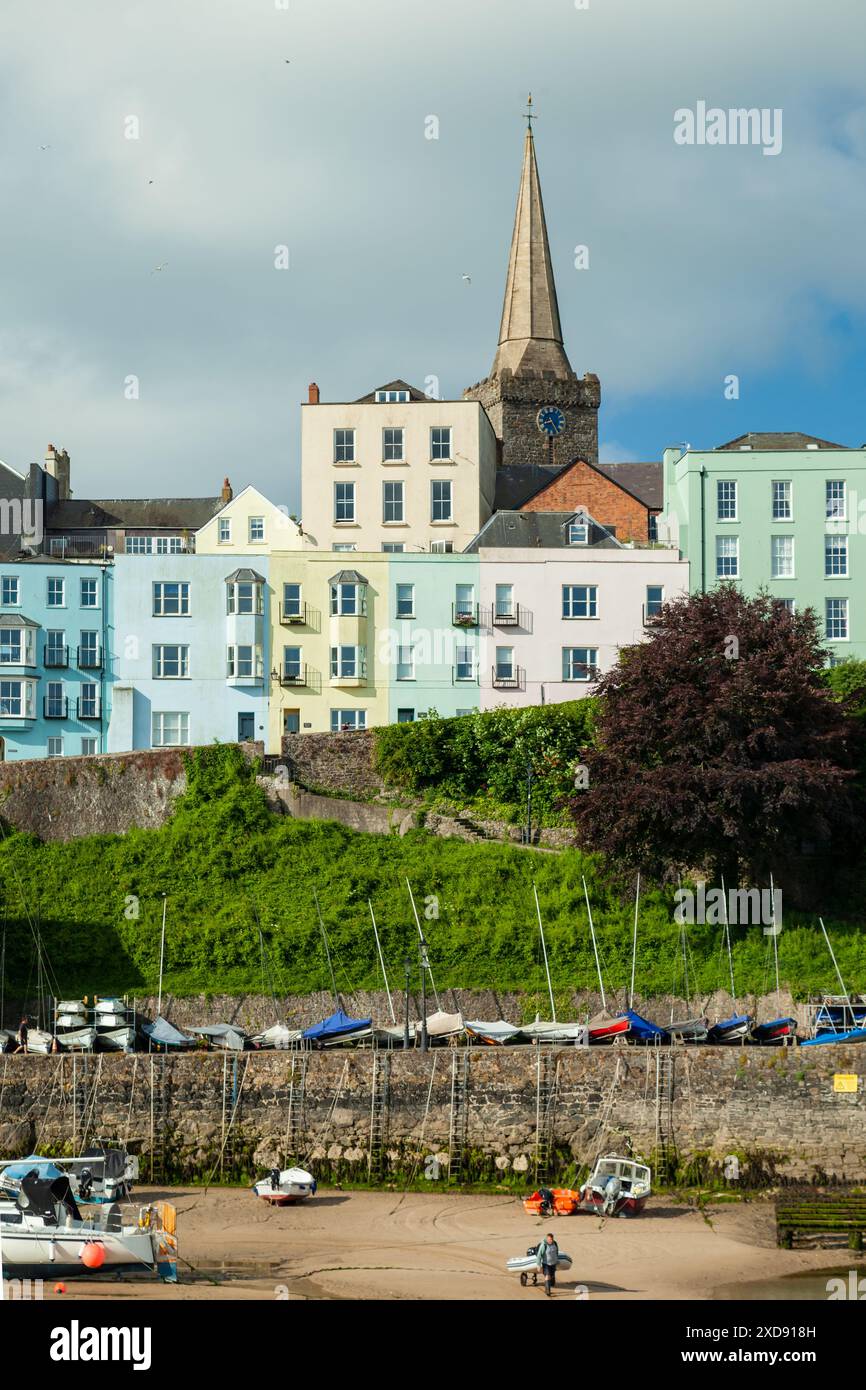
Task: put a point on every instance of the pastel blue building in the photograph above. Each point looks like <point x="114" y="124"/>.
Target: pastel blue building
<point x="191" y="651"/>
<point x="435" y="635"/>
<point x="55" y="640"/>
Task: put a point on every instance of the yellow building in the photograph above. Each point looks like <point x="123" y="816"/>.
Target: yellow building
<point x="326" y="674"/>
<point x="248" y="523"/>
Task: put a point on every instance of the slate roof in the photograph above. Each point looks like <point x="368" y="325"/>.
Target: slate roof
<point x="244" y="576"/>
<point x="779" y="442"/>
<point x="16" y="620"/>
<point x="347" y="577"/>
<point x="516" y="483"/>
<point x="156" y="513"/>
<point x="538" y="530"/>
<point x="645" y="481"/>
<point x="414" y="393"/>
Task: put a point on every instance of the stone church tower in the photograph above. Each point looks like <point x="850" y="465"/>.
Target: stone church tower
<point x="540" y="410"/>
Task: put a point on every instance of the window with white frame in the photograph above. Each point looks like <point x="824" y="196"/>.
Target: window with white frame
<point x="441" y="547"/>
<point x="440" y="442"/>
<point x="406" y="663"/>
<point x="464" y="664"/>
<point x="464" y="601"/>
<point x="836" y="501"/>
<point x="244" y="662"/>
<point x="169" y="729"/>
<point x="344" y="502"/>
<point x="55" y="705"/>
<point x="405" y="716"/>
<point x="293" y="663"/>
<point x="655" y="598"/>
<point x="788" y="604"/>
<point x="346" y="720"/>
<point x="170" y="662"/>
<point x="10" y="591"/>
<point x="505" y="663"/>
<point x="783" y="508"/>
<point x="55" y="747"/>
<point x="405" y="600"/>
<point x="580" y="601"/>
<point x="348" y="599"/>
<point x="503" y="603"/>
<point x="726" y="499"/>
<point x="578" y="532"/>
<point x="344" y="446"/>
<point x="393" y="547"/>
<point x="836" y="556"/>
<point x="139" y="545"/>
<point x="88" y="747"/>
<point x="781" y="557"/>
<point x="292" y="601"/>
<point x="348" y="663"/>
<point x="392" y="444"/>
<point x="245" y="596"/>
<point x="169" y="545"/>
<point x="256" y="531"/>
<point x="16" y="699"/>
<point x="727" y="557"/>
<point x="56" y="592"/>
<point x="392" y="502"/>
<point x="440" y="509"/>
<point x="392" y="397"/>
<point x="12" y="646"/>
<point x="55" y="647"/>
<point x="88" y="651"/>
<point x="579" y="663"/>
<point x="836" y="619"/>
<point x="88" y="701"/>
<point x="224" y="530"/>
<point x="171" y="599"/>
<point x="90" y="593"/>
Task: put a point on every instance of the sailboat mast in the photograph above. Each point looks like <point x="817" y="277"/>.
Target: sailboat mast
<point x="775" y="940"/>
<point x="327" y="950"/>
<point x="634" y="942"/>
<point x="544" y="949"/>
<point x="836" y="968"/>
<point x="594" y="946"/>
<point x="728" y="942"/>
<point x="425" y="962"/>
<point x="382" y="963"/>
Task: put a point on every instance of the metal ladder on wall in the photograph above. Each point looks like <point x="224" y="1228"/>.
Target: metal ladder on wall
<point x="297" y="1099"/>
<point x="458" y="1128"/>
<point x="380" y="1095"/>
<point x="158" y="1117"/>
<point x="546" y="1083"/>
<point x="665" y="1146"/>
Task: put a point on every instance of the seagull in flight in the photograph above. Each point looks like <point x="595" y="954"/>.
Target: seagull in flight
<point x="157" y="268"/>
<point x="467" y="278"/>
<point x="45" y="147"/>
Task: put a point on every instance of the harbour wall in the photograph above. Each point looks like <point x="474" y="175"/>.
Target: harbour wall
<point x="485" y="1113"/>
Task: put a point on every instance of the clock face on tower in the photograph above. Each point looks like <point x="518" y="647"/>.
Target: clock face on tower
<point x="550" y="420"/>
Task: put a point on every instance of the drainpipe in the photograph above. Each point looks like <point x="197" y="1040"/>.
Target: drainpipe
<point x="103" y="675"/>
<point x="703" y="532"/>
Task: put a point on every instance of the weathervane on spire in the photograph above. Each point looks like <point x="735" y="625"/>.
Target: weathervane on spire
<point x="530" y="117"/>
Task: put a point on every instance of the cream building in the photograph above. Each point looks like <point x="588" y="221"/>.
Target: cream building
<point x="326" y="673"/>
<point x="247" y="524"/>
<point x="395" y="471"/>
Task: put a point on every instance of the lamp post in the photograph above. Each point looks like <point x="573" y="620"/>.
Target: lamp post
<point x="407" y="967"/>
<point x="425" y="966"/>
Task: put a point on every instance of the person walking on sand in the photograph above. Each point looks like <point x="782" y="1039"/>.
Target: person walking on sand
<point x="23" y="1030"/>
<point x="547" y="1256"/>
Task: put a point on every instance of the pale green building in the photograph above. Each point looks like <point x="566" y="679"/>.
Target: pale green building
<point x="782" y="512"/>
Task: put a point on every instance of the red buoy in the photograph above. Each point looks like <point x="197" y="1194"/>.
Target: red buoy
<point x="93" y="1255"/>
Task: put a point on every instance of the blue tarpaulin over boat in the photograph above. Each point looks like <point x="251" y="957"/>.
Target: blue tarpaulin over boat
<point x="853" y="1035"/>
<point x="44" y="1166"/>
<point x="165" y="1034"/>
<point x="336" y="1026"/>
<point x="642" y="1028"/>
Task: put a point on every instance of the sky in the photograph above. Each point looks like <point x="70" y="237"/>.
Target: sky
<point x="304" y="124"/>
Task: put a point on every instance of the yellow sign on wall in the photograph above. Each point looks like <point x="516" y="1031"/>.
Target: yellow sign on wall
<point x="845" y="1081"/>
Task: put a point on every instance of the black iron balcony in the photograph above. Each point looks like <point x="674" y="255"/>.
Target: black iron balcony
<point x="508" y="677"/>
<point x="507" y="617"/>
<point x="464" y="614"/>
<point x="56" y="656"/>
<point x="294" y="616"/>
<point x="293" y="674"/>
<point x="55" y="709"/>
<point x="88" y="709"/>
<point x="89" y="659"/>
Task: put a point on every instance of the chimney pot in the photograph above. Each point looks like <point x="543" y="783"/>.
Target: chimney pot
<point x="226" y="495"/>
<point x="314" y="393"/>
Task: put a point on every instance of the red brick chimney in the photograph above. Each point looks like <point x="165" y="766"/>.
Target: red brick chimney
<point x="314" y="393"/>
<point x="226" y="495"/>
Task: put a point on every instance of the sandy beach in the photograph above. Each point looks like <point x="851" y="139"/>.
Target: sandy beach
<point x="388" y="1245"/>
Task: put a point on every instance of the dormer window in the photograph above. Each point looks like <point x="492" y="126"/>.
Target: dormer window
<point x="389" y="397"/>
<point x="578" y="531"/>
<point x="245" y="592"/>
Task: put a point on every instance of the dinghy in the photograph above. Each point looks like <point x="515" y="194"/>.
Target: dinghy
<point x="688" y="1030"/>
<point x="337" y="1028"/>
<point x="854" y="1035"/>
<point x="442" y="1025"/>
<point x="527" y="1266"/>
<point x="604" y="1029"/>
<point x="110" y="1005"/>
<point x="46" y="1234"/>
<point x="116" y="1039"/>
<point x="617" y="1186"/>
<point x="777" y="1030"/>
<point x="283" y="1188"/>
<point x="39" y="1041"/>
<point x="493" y="1034"/>
<point x="76" y="1040"/>
<point x="226" y="1037"/>
<point x="164" y="1034"/>
<point x="279" y="1036"/>
<point x="541" y="1031"/>
<point x="731" y="1030"/>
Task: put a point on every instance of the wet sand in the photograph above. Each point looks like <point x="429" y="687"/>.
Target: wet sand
<point x="384" y="1245"/>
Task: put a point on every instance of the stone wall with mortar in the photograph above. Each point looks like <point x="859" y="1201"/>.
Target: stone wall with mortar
<point x="316" y="1107"/>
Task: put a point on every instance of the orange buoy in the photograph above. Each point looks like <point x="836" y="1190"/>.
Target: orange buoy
<point x="60" y="1288"/>
<point x="93" y="1255"/>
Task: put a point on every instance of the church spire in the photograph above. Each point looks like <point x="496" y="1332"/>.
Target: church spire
<point x="530" y="335"/>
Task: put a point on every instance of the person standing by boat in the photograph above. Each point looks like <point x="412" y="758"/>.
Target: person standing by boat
<point x="23" y="1031"/>
<point x="547" y="1256"/>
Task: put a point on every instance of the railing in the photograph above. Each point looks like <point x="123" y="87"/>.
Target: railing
<point x="512" y="680"/>
<point x="294" y="676"/>
<point x="291" y="619"/>
<point x="509" y="619"/>
<point x="55" y="709"/>
<point x="56" y="657"/>
<point x="88" y="709"/>
<point x="88" y="659"/>
<point x="464" y="615"/>
<point x="79" y="548"/>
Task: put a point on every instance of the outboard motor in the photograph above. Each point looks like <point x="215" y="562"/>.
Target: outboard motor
<point x="612" y="1189"/>
<point x="85" y="1184"/>
<point x="274" y="1177"/>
